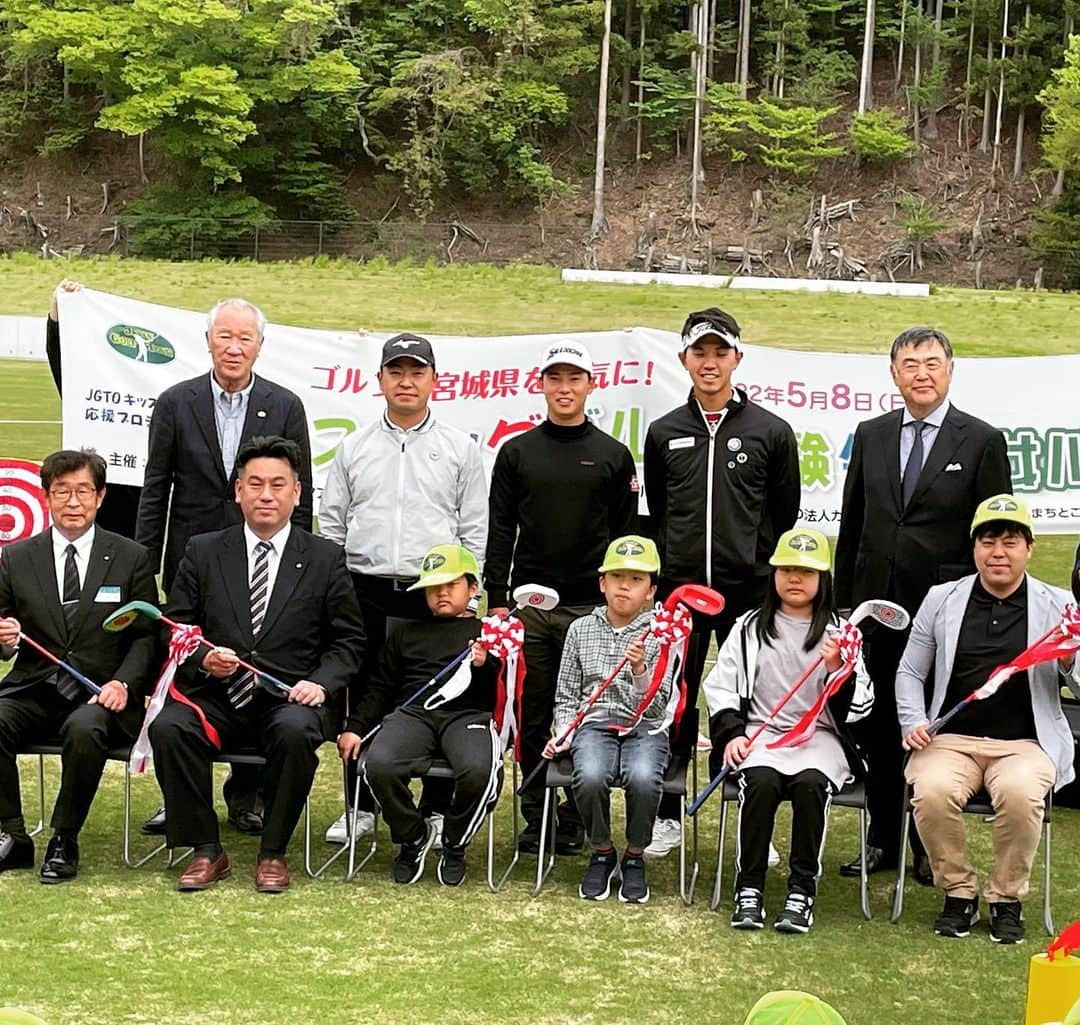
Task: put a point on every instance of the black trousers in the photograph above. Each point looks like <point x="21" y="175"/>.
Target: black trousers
<point x="761" y="790"/>
<point x="545" y="634"/>
<point x="879" y="736"/>
<point x="287" y="735"/>
<point x="737" y="600"/>
<point x="410" y="740"/>
<point x="86" y="733"/>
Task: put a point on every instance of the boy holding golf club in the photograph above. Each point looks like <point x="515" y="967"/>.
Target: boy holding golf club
<point x="767" y="649"/>
<point x="617" y="742"/>
<point x="454" y="722"/>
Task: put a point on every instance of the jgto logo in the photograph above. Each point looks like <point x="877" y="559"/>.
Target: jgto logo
<point x="630" y="548"/>
<point x="140" y="344"/>
<point x="803" y="543"/>
<point x="1003" y="505"/>
<point x="432" y="563"/>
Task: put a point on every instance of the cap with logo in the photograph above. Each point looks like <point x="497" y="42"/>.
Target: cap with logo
<point x="711" y="323"/>
<point x="632" y="552"/>
<point x="410" y="346"/>
<point x="802" y="547"/>
<point x="1004" y="508"/>
<point x="571" y="353"/>
<point x="445" y="563"/>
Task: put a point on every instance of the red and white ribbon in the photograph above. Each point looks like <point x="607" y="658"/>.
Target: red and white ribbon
<point x="671" y="630"/>
<point x="850" y="640"/>
<point x="184" y="641"/>
<point x="1046" y="650"/>
<point x="504" y="638"/>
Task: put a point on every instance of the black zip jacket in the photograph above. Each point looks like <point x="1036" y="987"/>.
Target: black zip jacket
<point x="718" y="505"/>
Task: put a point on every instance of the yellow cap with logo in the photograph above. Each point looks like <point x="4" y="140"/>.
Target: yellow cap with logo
<point x="445" y="563"/>
<point x="632" y="552"/>
<point x="803" y="547"/>
<point x="1005" y="508"/>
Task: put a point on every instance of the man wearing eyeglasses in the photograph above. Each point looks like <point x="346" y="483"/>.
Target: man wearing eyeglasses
<point x="57" y="589"/>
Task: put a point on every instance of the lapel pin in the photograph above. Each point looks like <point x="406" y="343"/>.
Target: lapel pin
<point x="260" y="413"/>
<point x="106" y="557"/>
<point x="299" y="565"/>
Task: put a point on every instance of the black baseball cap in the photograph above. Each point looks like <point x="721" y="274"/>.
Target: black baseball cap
<point x="410" y="346"/>
<point x="711" y="323"/>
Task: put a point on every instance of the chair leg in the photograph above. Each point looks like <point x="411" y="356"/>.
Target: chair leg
<point x="129" y="859"/>
<point x="695" y="865"/>
<point x="309" y="867"/>
<point x="545" y="858"/>
<point x="1048" y="921"/>
<point x="864" y="880"/>
<point x="495" y="885"/>
<point x="350" y="829"/>
<point x="905" y="828"/>
<point x="41" y="797"/>
<point x="718" y="879"/>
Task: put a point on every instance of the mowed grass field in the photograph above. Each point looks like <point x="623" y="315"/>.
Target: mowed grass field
<point x="123" y="946"/>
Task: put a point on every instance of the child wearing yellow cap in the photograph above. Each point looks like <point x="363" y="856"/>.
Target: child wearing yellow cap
<point x="459" y="730"/>
<point x="603" y="755"/>
<point x="767" y="650"/>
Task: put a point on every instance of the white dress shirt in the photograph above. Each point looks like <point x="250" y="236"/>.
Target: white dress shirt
<point x="82" y="557"/>
<point x="273" y="559"/>
<point x="933" y="422"/>
<point x="230" y="411"/>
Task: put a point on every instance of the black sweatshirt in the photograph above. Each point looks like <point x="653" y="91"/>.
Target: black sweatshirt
<point x="559" y="496"/>
<point x="415" y="650"/>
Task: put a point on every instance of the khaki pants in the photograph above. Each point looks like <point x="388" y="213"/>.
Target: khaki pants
<point x="944" y="776"/>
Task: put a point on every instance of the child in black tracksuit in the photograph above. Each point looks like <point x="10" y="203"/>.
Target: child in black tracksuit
<point x="459" y="730"/>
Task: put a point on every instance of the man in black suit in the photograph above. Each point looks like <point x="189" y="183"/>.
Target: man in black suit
<point x="197" y="427"/>
<point x="283" y="599"/>
<point x="59" y="587"/>
<point x="914" y="480"/>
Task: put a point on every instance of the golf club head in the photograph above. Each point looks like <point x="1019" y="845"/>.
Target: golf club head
<point x="697" y="598"/>
<point x="535" y="596"/>
<point x="887" y="613"/>
<point x="124" y="616"/>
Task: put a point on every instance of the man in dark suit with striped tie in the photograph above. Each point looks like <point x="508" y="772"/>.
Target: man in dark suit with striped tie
<point x="281" y="599"/>
<point x="914" y="480"/>
<point x="58" y="588"/>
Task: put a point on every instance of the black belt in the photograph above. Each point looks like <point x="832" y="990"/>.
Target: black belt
<point x="395" y="584"/>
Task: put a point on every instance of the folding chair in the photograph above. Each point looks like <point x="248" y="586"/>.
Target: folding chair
<point x="439" y="770"/>
<point x="560" y="774"/>
<point x="979" y="804"/>
<point x="852" y="795"/>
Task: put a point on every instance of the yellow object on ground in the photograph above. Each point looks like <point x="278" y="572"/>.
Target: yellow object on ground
<point x="1053" y="988"/>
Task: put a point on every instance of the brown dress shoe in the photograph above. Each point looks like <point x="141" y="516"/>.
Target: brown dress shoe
<point x="271" y="875"/>
<point x="202" y="873"/>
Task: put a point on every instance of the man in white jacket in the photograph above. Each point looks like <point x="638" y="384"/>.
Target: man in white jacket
<point x="1014" y="743"/>
<point x="398" y="487"/>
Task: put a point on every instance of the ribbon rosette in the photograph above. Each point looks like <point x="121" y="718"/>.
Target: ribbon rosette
<point x="504" y="638"/>
<point x="1070" y="621"/>
<point x="849" y="639"/>
<point x="184" y="641"/>
<point x="671" y="630"/>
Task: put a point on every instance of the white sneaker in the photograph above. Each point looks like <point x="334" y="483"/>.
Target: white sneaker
<point x="774" y="856"/>
<point x="436" y="821"/>
<point x="666" y="836"/>
<point x="339" y="832"/>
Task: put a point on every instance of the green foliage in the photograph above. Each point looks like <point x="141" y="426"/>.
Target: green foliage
<point x="917" y="218"/>
<point x="1061" y="98"/>
<point x="1056" y="237"/>
<point x="880" y="136"/>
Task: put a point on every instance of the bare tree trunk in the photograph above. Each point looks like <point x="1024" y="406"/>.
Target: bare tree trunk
<point x="1021" y="115"/>
<point x="640" y="89"/>
<point x="142" y="159"/>
<point x="67" y="82"/>
<point x="628" y="27"/>
<point x="964" y="129"/>
<point x="1059" y="181"/>
<point x="698" y="15"/>
<point x="599" y="219"/>
<point x="900" y="50"/>
<point x="996" y="164"/>
<point x="710" y="66"/>
<point x="866" y="81"/>
<point x="916" y="79"/>
<point x="984" y="138"/>
<point x="781" y="56"/>
<point x="742" y="70"/>
<point x="935" y="57"/>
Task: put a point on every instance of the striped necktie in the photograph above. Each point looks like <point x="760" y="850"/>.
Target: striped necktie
<point x="242" y="689"/>
<point x="65" y="684"/>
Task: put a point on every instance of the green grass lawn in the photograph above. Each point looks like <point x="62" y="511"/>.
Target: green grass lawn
<point x="122" y="946"/>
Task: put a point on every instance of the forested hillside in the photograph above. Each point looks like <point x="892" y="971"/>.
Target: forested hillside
<point x="843" y="137"/>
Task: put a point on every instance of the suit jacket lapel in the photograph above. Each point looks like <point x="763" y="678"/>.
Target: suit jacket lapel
<point x="891" y="444"/>
<point x="234" y="570"/>
<point x="258" y="410"/>
<point x="956" y="604"/>
<point x="292" y="565"/>
<point x="45" y="567"/>
<point x="202" y="408"/>
<point x="101" y="556"/>
<point x="949" y="439"/>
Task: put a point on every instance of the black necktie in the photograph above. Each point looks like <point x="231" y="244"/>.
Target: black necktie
<point x="242" y="689"/>
<point x="64" y="683"/>
<point x="914" y="464"/>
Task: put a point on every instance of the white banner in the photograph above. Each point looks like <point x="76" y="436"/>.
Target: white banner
<point x="119" y="354"/>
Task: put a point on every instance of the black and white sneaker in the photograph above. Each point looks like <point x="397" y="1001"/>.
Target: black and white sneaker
<point x="451" y="865"/>
<point x="749" y="910"/>
<point x="634" y="888"/>
<point x="409" y="863"/>
<point x="596" y="883"/>
<point x="958" y="915"/>
<point x="797" y="914"/>
<point x="1007" y="921"/>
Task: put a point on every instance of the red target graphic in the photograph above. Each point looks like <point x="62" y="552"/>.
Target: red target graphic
<point x="23" y="507"/>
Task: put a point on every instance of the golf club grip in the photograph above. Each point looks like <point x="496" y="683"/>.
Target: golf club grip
<point x="537" y="769"/>
<point x="934" y="728"/>
<point x="692" y="809"/>
<point x="271" y="679"/>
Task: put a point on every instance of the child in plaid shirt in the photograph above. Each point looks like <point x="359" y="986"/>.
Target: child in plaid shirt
<point x="603" y="756"/>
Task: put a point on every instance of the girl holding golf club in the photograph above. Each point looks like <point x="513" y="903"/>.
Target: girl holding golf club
<point x="605" y="753"/>
<point x="767" y="649"/>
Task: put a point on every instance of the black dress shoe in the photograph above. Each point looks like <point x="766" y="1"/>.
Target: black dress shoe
<point x="61" y="861"/>
<point x="155" y="825"/>
<point x="875" y="862"/>
<point x="246" y="821"/>
<point x="15" y="852"/>
<point x="922" y="872"/>
<point x="529" y="839"/>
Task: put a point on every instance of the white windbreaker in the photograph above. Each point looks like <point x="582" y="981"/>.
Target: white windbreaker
<point x="392" y="494"/>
